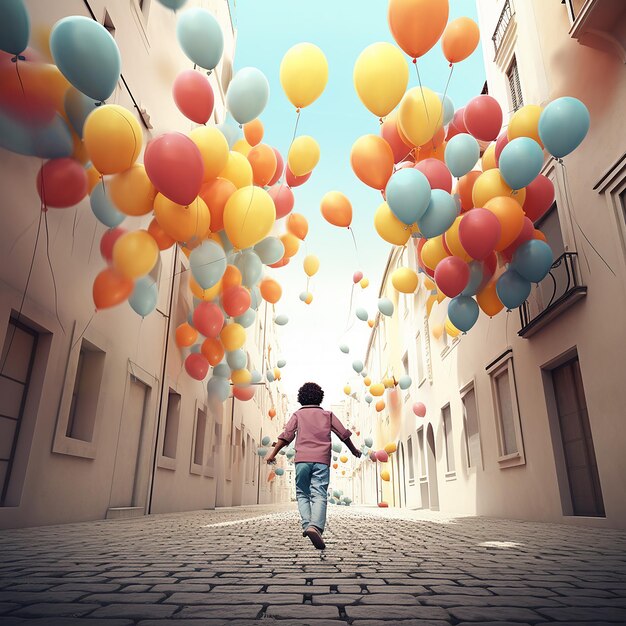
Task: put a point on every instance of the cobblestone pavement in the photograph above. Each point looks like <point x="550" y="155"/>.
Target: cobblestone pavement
<point x="241" y="566"/>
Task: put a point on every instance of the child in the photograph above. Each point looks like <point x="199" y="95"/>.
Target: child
<point x="313" y="450"/>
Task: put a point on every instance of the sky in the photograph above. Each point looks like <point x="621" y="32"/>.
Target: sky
<point x="266" y="29"/>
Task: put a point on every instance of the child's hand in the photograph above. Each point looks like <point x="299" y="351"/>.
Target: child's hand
<point x="271" y="461"/>
<point x="357" y="454"/>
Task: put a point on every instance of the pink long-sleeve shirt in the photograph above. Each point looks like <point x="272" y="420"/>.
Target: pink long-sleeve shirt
<point x="313" y="425"/>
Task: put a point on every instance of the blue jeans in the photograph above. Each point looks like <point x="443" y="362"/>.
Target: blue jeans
<point x="311" y="492"/>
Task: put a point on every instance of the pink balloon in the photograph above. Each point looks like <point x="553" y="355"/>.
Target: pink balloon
<point x="357" y="277"/>
<point x="483" y="117"/>
<point x="208" y="319"/>
<point x="382" y="456"/>
<point x="539" y="197"/>
<point x="490" y="265"/>
<point x="501" y="141"/>
<point x="419" y="408"/>
<point x="526" y="234"/>
<point x="108" y="241"/>
<point x="236" y="301"/>
<point x="243" y="393"/>
<point x="193" y="96"/>
<point x="280" y="166"/>
<point x="437" y="173"/>
<point x="174" y="165"/>
<point x="295" y="181"/>
<point x="457" y="125"/>
<point x="389" y="132"/>
<point x="452" y="275"/>
<point x="283" y="199"/>
<point x="61" y="183"/>
<point x="479" y="233"/>
<point x="197" y="366"/>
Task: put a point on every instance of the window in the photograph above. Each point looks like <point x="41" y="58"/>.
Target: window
<point x="470" y="427"/>
<point x="198" y="444"/>
<point x="420" y="359"/>
<point x="108" y="24"/>
<point x="550" y="225"/>
<point x="405" y="362"/>
<point x="409" y="450"/>
<point x="515" y="88"/>
<point x="172" y="421"/>
<point x="421" y="453"/>
<point x="573" y="7"/>
<point x="449" y="439"/>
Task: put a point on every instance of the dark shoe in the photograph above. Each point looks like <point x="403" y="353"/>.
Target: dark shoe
<point x="316" y="537"/>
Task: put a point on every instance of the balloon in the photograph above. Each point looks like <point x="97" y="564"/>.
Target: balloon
<point x="182" y="223"/>
<point x="200" y="37"/>
<point x="87" y="55"/>
<point x="250" y="266"/>
<point x="361" y="313"/>
<point x="357" y="276"/>
<point x="539" y="197"/>
<point x="77" y="107"/>
<point x="526" y="234"/>
<point x="532" y="260"/>
<point x="416" y="25"/>
<point x="488" y="160"/>
<point x="206" y="295"/>
<point x="357" y="366"/>
<point x="460" y="38"/>
<point x="262" y="159"/>
<point x="464" y="189"/>
<point x="291" y="244"/>
<point x="433" y="252"/>
<point x="404" y="280"/>
<point x="389" y="227"/>
<point x="525" y="123"/>
<point x="132" y="192"/>
<point x="283" y="199"/>
<point x="452" y="276"/>
<point x="112" y="138"/>
<point x="483" y="117"/>
<point x="461" y="154"/>
<point x="103" y="208"/>
<point x="303" y="74"/>
<point x="563" y="125"/>
<point x="281" y="320"/>
<point x="381" y="76"/>
<point x="237" y="359"/>
<point x="408" y="195"/>
<point x="208" y="319"/>
<point x="420" y="113"/>
<point x="249" y="216"/>
<point x="247" y="318"/>
<point x="243" y="147"/>
<point x="222" y="370"/>
<point x="463" y="312"/>
<point x="336" y="209"/>
<point x="270" y="376"/>
<point x="488" y="300"/>
<point x="476" y="279"/>
<point x="380" y="406"/>
<point x="247" y="393"/>
<point x="295" y="181"/>
<point x="270" y="250"/>
<point x="14" y="27"/>
<point x="389" y="132"/>
<point x="247" y="94"/>
<point x="451" y="329"/>
<point x="230" y="130"/>
<point x="344" y="348"/>
<point x="62" y="183"/>
<point x="364" y="282"/>
<point x="303" y="156"/>
<point x="253" y="132"/>
<point x="511" y="218"/>
<point x="440" y="215"/>
<point x="218" y="387"/>
<point x="235" y="302"/>
<point x="233" y="336"/>
<point x="108" y="241"/>
<point x="215" y="195"/>
<point x="280" y="166"/>
<point x="419" y="409"/>
<point x="490" y="184"/>
<point x="377" y="390"/>
<point x="213" y="149"/>
<point x="512" y="289"/>
<point x="479" y="232"/>
<point x="382" y="456"/>
<point x="207" y="263"/>
<point x="390" y="448"/>
<point x="135" y="254"/>
<point x="437" y="173"/>
<point x="212" y="350"/>
<point x="196" y="366"/>
<point x="270" y="290"/>
<point x="281" y="363"/>
<point x="385" y="306"/>
<point x="110" y="288"/>
<point x="311" y="264"/>
<point x="501" y="141"/>
<point x="143" y="299"/>
<point x="453" y="243"/>
<point x="193" y="96"/>
<point x="520" y="162"/>
<point x="238" y="170"/>
<point x="298" y="226"/>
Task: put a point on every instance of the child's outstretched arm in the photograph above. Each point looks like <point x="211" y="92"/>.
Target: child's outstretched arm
<point x="352" y="448"/>
<point x="285" y="438"/>
<point x="278" y="446"/>
<point x="343" y="433"/>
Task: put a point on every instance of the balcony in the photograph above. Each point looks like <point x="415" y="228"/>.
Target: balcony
<point x="556" y="293"/>
<point x="504" y="34"/>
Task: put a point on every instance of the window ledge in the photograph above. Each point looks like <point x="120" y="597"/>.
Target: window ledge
<point x="511" y="460"/>
<point x="599" y="24"/>
<point x="450" y="476"/>
<point x="166" y="462"/>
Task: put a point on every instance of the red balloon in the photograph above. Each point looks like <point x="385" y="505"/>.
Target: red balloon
<point x="490" y="265"/>
<point x="197" y="366"/>
<point x="501" y="141"/>
<point x="280" y="166"/>
<point x="526" y="234"/>
<point x="457" y="125"/>
<point x="283" y="199"/>
<point x="236" y="301"/>
<point x="62" y="183"/>
<point x="174" y="165"/>
<point x="382" y="456"/>
<point x="108" y="241"/>
<point x="243" y="393"/>
<point x="193" y="96"/>
<point x="295" y="181"/>
<point x="437" y="173"/>
<point x="280" y="263"/>
<point x="208" y="319"/>
<point x="419" y="408"/>
<point x="479" y="233"/>
<point x="452" y="275"/>
<point x="483" y="117"/>
<point x="539" y="197"/>
<point x="389" y="132"/>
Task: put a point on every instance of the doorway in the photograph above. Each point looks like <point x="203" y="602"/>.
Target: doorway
<point x="401" y="475"/>
<point x="431" y="461"/>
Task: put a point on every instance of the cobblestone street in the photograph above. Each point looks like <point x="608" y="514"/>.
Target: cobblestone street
<point x="239" y="566"/>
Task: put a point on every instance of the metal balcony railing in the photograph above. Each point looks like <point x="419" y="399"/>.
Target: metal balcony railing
<point x="506" y="16"/>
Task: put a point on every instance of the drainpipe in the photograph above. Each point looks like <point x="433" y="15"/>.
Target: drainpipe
<point x="258" y="479"/>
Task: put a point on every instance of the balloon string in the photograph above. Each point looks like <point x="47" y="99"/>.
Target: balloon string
<point x="84" y="331"/>
<point x="19" y="77"/>
<point x="356" y="248"/>
<point x="419" y="81"/>
<point x="293" y="138"/>
<point x="54" y="282"/>
<point x="443" y="99"/>
<point x="349" y="308"/>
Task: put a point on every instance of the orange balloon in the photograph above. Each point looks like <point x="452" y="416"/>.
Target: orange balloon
<point x="111" y="288"/>
<point x="537" y="234"/>
<point x="253" y="132"/>
<point x="453" y="243"/>
<point x="438" y="152"/>
<point x="460" y="39"/>
<point x="511" y="217"/>
<point x="93" y="178"/>
<point x="371" y="158"/>
<point x="231" y="278"/>
<point x="380" y="405"/>
<point x="272" y="413"/>
<point x="336" y="209"/>
<point x="182" y="223"/>
<point x="490" y="184"/>
<point x="488" y="299"/>
<point x="464" y="189"/>
<point x="215" y="194"/>
<point x="416" y="25"/>
<point x="186" y="335"/>
<point x="335" y="465"/>
<point x="262" y="158"/>
<point x="213" y="350"/>
<point x="271" y="291"/>
<point x="297" y="225"/>
<point x="291" y="244"/>
<point x="163" y="240"/>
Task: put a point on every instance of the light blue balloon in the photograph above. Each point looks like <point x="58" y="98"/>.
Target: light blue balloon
<point x="14" y="26"/>
<point x="281" y="363"/>
<point x="52" y="141"/>
<point x="512" y="289"/>
<point x="357" y="366"/>
<point x="266" y="441"/>
<point x="237" y="359"/>
<point x="440" y="215"/>
<point x="15" y="136"/>
<point x="385" y="305"/>
<point x="461" y="154"/>
<point x="532" y="260"/>
<point x="270" y="250"/>
<point x="408" y="194"/>
<point x="361" y="313"/>
<point x="475" y="279"/>
<point x="231" y="131"/>
<point x="247" y="94"/>
<point x="222" y="370"/>
<point x="448" y="108"/>
<point x="200" y="37"/>
<point x="282" y="451"/>
<point x="344" y="348"/>
<point x="368" y="441"/>
<point x="520" y="162"/>
<point x="364" y="373"/>
<point x="291" y="453"/>
<point x="335" y="457"/>
<point x="247" y="318"/>
<point x="255" y="298"/>
<point x="368" y="399"/>
<point x="190" y="318"/>
<point x="281" y="320"/>
<point x="87" y="55"/>
<point x="463" y="312"/>
<point x="102" y="207"/>
<point x="303" y="295"/>
<point x="228" y="247"/>
<point x="404" y="382"/>
<point x="270" y="376"/>
<point x="173" y="4"/>
<point x="195" y="349"/>
<point x="208" y="263"/>
<point x="143" y="299"/>
<point x="256" y="377"/>
<point x="218" y="388"/>
<point x="261" y="452"/>
<point x="250" y="266"/>
<point x="563" y="124"/>
<point x="77" y="107"/>
<point x="337" y="447"/>
<point x="279" y="471"/>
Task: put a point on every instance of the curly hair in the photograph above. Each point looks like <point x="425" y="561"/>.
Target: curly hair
<point x="310" y="393"/>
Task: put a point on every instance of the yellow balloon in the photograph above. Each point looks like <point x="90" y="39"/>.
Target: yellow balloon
<point x="343" y="458"/>
<point x="429" y="284"/>
<point x="241" y="377"/>
<point x="451" y="329"/>
<point x="303" y="74"/>
<point x="249" y="216"/>
<point x="213" y="148"/>
<point x="309" y="298"/>
<point x="525" y="123"/>
<point x="390" y="448"/>
<point x="182" y="223"/>
<point x="233" y="336"/>
<point x="291" y="244"/>
<point x="381" y="75"/>
<point x="437" y="331"/>
<point x="311" y="264"/>
<point x="404" y="280"/>
<point x="377" y="390"/>
<point x="389" y="227"/>
<point x="490" y="184"/>
<point x="303" y="156"/>
<point x="135" y="254"/>
<point x="388" y="382"/>
<point x="205" y="294"/>
<point x="433" y="251"/>
<point x="113" y="138"/>
<point x="453" y="241"/>
<point x="384" y="475"/>
<point x="367" y="381"/>
<point x="347" y="390"/>
<point x="242" y="146"/>
<point x="488" y="160"/>
<point x="420" y="115"/>
<point x="364" y="282"/>
<point x="132" y="192"/>
<point x="237" y="170"/>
